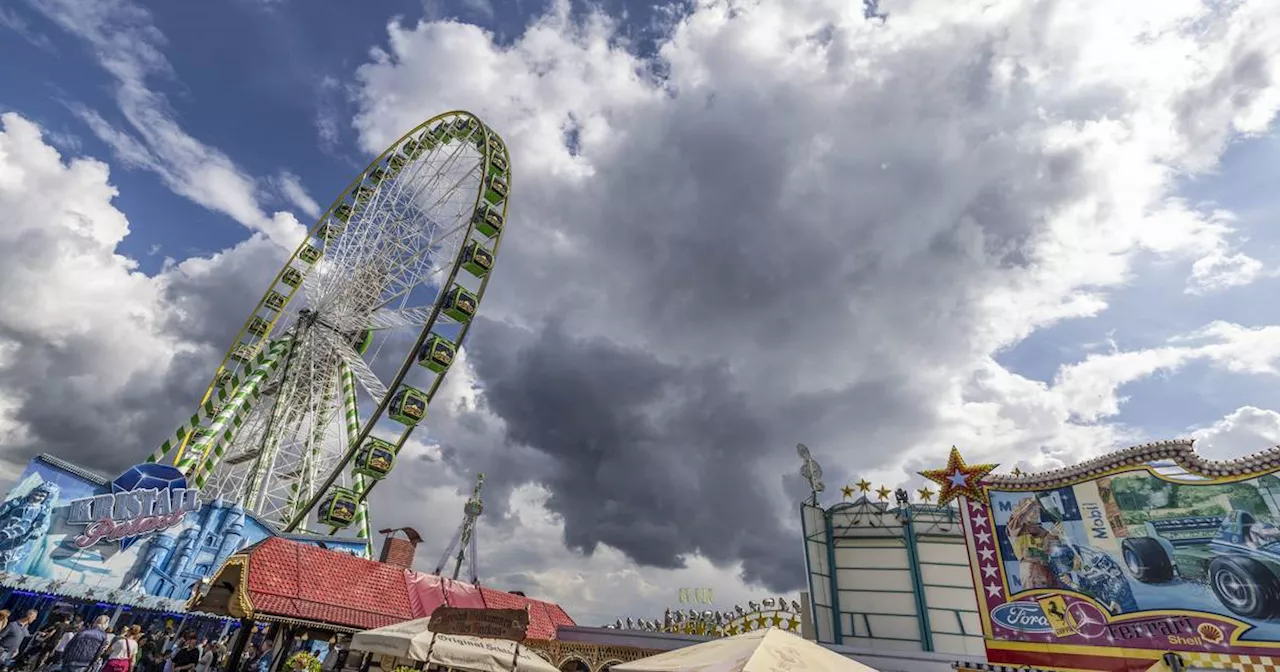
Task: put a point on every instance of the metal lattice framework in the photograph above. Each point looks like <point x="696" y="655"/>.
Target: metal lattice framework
<point x="464" y="540"/>
<point x="317" y="395"/>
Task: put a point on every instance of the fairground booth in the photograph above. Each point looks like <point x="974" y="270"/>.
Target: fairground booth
<point x="307" y="596"/>
<point x="1151" y="558"/>
<point x="136" y="547"/>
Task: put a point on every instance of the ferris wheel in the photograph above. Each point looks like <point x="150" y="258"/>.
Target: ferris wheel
<point x="340" y="359"/>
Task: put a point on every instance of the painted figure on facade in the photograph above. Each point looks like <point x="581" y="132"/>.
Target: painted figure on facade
<point x="1032" y="543"/>
<point x="1094" y="573"/>
<point x="24" y="520"/>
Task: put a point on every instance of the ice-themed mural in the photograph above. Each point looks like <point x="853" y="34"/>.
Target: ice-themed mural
<point x="142" y="534"/>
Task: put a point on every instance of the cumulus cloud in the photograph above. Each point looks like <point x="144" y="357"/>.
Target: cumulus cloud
<point x="98" y="361"/>
<point x="799" y="223"/>
<point x="1243" y="432"/>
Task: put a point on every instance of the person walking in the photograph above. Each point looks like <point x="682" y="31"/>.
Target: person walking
<point x="187" y="656"/>
<point x="86" y="646"/>
<point x="13" y="635"/>
<point x="208" y="654"/>
<point x="60" y="648"/>
<point x="122" y="652"/>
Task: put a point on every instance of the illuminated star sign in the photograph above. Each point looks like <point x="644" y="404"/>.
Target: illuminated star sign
<point x="864" y="485"/>
<point x="883" y="493"/>
<point x="847" y="492"/>
<point x="959" y="479"/>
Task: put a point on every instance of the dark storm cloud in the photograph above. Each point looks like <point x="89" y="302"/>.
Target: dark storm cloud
<point x="65" y="416"/>
<point x="653" y="458"/>
<point x="758" y="261"/>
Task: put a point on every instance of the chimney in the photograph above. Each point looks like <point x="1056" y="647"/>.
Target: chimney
<point x="397" y="551"/>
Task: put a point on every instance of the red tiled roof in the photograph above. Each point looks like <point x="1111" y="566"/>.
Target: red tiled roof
<point x="287" y="578"/>
<point x="544" y="617"/>
<point x="296" y="580"/>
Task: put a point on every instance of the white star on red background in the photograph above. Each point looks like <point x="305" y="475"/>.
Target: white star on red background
<point x="984" y="544"/>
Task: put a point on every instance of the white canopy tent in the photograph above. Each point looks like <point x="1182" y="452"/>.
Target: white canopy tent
<point x="770" y="650"/>
<point x="415" y="641"/>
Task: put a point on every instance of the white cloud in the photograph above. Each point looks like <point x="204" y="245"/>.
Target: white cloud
<point x="81" y="324"/>
<point x="1244" y="431"/>
<point x="1222" y="270"/>
<point x="65" y="288"/>
<point x="291" y="187"/>
<point x="129" y="47"/>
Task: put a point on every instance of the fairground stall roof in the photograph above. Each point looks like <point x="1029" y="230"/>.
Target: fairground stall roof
<point x="282" y="580"/>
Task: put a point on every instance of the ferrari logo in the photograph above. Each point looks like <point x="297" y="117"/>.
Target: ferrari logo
<point x="1055" y="611"/>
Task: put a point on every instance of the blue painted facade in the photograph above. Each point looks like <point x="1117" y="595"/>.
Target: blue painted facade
<point x="39" y="554"/>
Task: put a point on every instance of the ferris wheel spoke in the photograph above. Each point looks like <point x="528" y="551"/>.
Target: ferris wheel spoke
<point x="400" y="318"/>
<point x="363" y="374"/>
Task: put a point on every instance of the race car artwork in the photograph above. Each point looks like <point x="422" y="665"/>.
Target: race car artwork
<point x="1237" y="555"/>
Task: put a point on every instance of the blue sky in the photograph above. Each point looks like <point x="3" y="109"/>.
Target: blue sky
<point x="1151" y="309"/>
<point x="250" y="77"/>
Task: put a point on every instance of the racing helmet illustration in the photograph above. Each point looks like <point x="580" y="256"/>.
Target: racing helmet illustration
<point x="1064" y="559"/>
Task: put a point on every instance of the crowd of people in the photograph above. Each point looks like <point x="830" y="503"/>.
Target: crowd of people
<point x="71" y="645"/>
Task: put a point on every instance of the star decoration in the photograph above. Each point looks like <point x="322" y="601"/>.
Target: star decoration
<point x="864" y="485"/>
<point x="883" y="493"/>
<point x="775" y="621"/>
<point x="925" y="494"/>
<point x="794" y="624"/>
<point x="959" y="479"/>
<point x="846" y="492"/>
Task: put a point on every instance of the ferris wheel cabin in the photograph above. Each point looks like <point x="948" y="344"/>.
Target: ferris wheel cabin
<point x="259" y="326"/>
<point x="375" y="458"/>
<point x="361" y="340"/>
<point x="338" y="508"/>
<point x="291" y="277"/>
<point x="487" y="220"/>
<point x="274" y="301"/>
<point x="460" y="304"/>
<point x="498" y="164"/>
<point x="437" y="353"/>
<point x="477" y="259"/>
<point x="409" y="406"/>
<point x="495" y="190"/>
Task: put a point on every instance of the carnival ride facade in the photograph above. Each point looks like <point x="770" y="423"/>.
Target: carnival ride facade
<point x="340" y="359"/>
<point x="1147" y="558"/>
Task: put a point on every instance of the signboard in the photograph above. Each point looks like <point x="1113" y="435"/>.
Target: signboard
<point x="512" y="624"/>
<point x="1092" y="568"/>
<point x="143" y="500"/>
<point x="696" y="596"/>
<point x="142" y="538"/>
